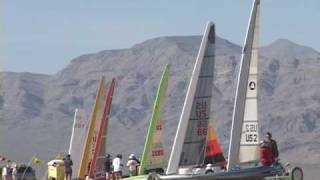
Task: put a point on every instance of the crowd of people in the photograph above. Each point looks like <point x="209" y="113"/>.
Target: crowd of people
<point x="16" y="172"/>
<point x="112" y="167"/>
<point x="7" y="172"/>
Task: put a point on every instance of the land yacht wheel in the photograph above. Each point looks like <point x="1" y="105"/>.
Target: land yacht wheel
<point x="296" y="174"/>
<point x="153" y="176"/>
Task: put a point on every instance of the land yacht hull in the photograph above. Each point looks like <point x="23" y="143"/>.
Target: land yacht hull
<point x="254" y="173"/>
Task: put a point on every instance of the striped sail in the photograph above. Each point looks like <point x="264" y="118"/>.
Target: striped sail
<point x="89" y="145"/>
<point x="153" y="154"/>
<point x="244" y="143"/>
<point x="190" y="140"/>
<point x="78" y="137"/>
<point x="97" y="163"/>
<point x="214" y="154"/>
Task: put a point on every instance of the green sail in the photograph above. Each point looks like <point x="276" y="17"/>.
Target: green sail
<point x="153" y="152"/>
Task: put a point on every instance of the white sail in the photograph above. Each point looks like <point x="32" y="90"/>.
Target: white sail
<point x="244" y="142"/>
<point x="78" y="137"/>
<point x="190" y="140"/>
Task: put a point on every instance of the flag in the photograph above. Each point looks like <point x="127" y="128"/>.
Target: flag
<point x="36" y="160"/>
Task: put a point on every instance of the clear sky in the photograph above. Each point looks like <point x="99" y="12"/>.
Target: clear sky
<point x="44" y="35"/>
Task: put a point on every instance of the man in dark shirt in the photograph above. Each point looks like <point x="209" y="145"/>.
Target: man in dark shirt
<point x="107" y="166"/>
<point x="68" y="167"/>
<point x="273" y="145"/>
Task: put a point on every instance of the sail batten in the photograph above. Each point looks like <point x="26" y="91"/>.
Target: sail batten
<point x="244" y="139"/>
<point x="191" y="137"/>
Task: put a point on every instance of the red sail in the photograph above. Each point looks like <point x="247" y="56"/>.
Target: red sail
<point x="214" y="154"/>
<point x="102" y="129"/>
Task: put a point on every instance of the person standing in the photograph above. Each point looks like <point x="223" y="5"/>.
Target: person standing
<point x="273" y="146"/>
<point x="7" y="172"/>
<point x="116" y="163"/>
<point x="4" y="172"/>
<point x="68" y="167"/>
<point x="266" y="156"/>
<point x="132" y="165"/>
<point x="14" y="172"/>
<point x="107" y="166"/>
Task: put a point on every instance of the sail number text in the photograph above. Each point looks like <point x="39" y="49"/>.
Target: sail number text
<point x="202" y="131"/>
<point x="79" y="125"/>
<point x="251" y="127"/>
<point x="201" y="110"/>
<point x="251" y="138"/>
<point x="202" y="117"/>
<point x="250" y="133"/>
<point x="157" y="153"/>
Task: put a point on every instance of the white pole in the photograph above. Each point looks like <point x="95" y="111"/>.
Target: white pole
<point x="72" y="134"/>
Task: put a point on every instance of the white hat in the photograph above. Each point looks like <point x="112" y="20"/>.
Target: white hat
<point x="131" y="155"/>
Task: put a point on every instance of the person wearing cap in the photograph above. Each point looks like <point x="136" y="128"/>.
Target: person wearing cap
<point x="116" y="163"/>
<point x="273" y="145"/>
<point x="107" y="166"/>
<point x="132" y="165"/>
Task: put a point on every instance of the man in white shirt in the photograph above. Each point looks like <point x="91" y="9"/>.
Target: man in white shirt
<point x="117" y="166"/>
<point x="4" y="172"/>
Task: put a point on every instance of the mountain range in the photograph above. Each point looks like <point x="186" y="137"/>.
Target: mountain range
<point x="36" y="110"/>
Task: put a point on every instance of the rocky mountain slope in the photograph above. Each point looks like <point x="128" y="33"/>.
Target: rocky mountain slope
<point x="36" y="111"/>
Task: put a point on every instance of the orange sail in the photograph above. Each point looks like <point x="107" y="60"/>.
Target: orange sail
<point x="214" y="154"/>
<point x="87" y="151"/>
<point x="102" y="131"/>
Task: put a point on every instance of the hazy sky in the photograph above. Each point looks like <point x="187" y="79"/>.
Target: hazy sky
<point x="43" y="36"/>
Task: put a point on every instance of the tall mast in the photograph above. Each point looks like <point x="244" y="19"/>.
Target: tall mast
<point x="73" y="129"/>
<point x="244" y="131"/>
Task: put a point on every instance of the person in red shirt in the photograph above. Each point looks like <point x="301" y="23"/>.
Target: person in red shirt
<point x="273" y="145"/>
<point x="266" y="155"/>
